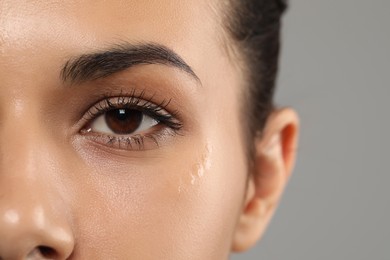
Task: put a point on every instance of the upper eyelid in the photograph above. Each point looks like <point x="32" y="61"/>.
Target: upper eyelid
<point x="107" y="104"/>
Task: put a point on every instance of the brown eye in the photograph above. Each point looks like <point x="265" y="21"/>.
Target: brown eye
<point x="122" y="121"/>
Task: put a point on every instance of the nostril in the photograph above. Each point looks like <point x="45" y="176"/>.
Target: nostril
<point x="47" y="252"/>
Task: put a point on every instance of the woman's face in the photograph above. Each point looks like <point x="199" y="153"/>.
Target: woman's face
<point x="112" y="147"/>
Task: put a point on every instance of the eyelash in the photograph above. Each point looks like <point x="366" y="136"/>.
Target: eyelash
<point x="159" y="112"/>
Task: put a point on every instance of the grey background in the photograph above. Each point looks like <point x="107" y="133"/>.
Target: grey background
<point x="335" y="71"/>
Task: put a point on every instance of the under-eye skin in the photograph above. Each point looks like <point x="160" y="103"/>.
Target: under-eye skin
<point x="130" y="122"/>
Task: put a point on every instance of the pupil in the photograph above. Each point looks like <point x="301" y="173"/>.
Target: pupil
<point x="123" y="121"/>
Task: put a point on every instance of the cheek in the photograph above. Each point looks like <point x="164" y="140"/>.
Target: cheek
<point x="185" y="203"/>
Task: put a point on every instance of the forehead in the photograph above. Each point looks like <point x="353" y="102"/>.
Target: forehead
<point x="164" y="21"/>
<point x="30" y="30"/>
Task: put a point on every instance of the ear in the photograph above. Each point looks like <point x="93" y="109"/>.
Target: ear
<point x="273" y="162"/>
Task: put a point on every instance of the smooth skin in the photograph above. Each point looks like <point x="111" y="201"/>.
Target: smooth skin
<point x="68" y="193"/>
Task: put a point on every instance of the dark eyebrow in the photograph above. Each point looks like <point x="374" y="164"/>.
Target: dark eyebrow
<point x="100" y="64"/>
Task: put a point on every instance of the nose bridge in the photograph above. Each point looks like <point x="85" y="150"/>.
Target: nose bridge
<point x="22" y="149"/>
<point x="32" y="213"/>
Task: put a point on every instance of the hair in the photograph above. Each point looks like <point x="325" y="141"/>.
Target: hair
<point x="254" y="28"/>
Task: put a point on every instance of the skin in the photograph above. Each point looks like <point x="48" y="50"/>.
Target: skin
<point x="64" y="194"/>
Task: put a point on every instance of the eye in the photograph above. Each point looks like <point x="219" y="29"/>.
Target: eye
<point x="130" y="122"/>
<point x="122" y="121"/>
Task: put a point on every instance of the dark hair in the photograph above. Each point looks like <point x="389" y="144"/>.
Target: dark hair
<point x="254" y="28"/>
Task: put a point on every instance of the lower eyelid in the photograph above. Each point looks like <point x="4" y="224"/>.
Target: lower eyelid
<point x="137" y="142"/>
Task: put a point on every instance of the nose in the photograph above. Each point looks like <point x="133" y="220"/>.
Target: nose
<point x="27" y="234"/>
<point x="34" y="220"/>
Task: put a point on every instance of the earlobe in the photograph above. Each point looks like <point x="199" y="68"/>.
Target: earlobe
<point x="273" y="162"/>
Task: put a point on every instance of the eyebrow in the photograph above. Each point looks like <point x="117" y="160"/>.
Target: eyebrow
<point x="100" y="64"/>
